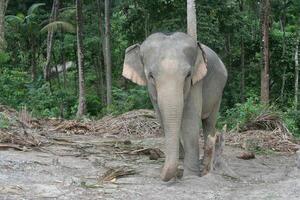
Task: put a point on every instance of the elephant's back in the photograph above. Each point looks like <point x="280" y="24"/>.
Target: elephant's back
<point x="215" y="66"/>
<point x="214" y="81"/>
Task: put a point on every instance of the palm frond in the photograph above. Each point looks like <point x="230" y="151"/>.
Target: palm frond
<point x="59" y="25"/>
<point x="34" y="7"/>
<point x="68" y="12"/>
<point x="14" y="18"/>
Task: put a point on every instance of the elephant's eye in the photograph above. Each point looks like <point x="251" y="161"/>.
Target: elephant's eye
<point x="188" y="75"/>
<point x="151" y="76"/>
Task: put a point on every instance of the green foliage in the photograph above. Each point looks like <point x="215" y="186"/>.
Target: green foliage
<point x="4" y="58"/>
<point x="124" y="101"/>
<point x="242" y="113"/>
<point x="34" y="7"/>
<point x="13" y="87"/>
<point x="59" y="25"/>
<point x="4" y="121"/>
<point x="222" y="25"/>
<point x="292" y="121"/>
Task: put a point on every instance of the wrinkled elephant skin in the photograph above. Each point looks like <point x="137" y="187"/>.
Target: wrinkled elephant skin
<point x="185" y="80"/>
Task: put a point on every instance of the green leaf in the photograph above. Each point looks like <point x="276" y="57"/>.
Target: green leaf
<point x="59" y="25"/>
<point x="34" y="7"/>
<point x="13" y="18"/>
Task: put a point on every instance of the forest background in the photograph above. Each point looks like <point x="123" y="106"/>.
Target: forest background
<point x="64" y="58"/>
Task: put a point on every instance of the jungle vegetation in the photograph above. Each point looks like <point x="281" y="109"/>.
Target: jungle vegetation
<point x="64" y="58"/>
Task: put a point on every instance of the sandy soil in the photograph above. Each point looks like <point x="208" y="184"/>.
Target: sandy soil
<point x="71" y="167"/>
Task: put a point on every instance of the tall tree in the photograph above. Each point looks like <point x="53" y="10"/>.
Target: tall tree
<point x="107" y="53"/>
<point x="265" y="76"/>
<point x="80" y="57"/>
<point x="3" y="6"/>
<point x="52" y="18"/>
<point x="241" y="5"/>
<point x="29" y="26"/>
<point x="282" y="21"/>
<point x="191" y="19"/>
<point x="296" y="73"/>
<point x="100" y="68"/>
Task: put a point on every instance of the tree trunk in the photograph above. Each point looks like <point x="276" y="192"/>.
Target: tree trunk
<point x="101" y="55"/>
<point x="282" y="26"/>
<point x="79" y="18"/>
<point x="99" y="76"/>
<point x="191" y="19"/>
<point x="33" y="61"/>
<point x="241" y="4"/>
<point x="265" y="12"/>
<point x="3" y="6"/>
<point x="296" y="73"/>
<point x="53" y="17"/>
<point x="107" y="53"/>
<point x="63" y="60"/>
<point x="242" y="70"/>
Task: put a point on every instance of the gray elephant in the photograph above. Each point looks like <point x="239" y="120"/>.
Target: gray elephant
<point x="185" y="81"/>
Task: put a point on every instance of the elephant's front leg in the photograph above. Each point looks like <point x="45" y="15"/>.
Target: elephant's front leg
<point x="190" y="136"/>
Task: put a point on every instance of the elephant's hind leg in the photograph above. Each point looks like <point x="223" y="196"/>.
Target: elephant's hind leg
<point x="209" y="131"/>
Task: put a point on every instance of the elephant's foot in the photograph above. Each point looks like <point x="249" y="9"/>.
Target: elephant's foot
<point x="168" y="172"/>
<point x="188" y="172"/>
<point x="208" y="158"/>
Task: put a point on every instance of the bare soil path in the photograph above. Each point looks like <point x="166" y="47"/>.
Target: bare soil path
<point x="71" y="167"/>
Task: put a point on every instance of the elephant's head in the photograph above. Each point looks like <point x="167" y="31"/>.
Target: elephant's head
<point x="169" y="65"/>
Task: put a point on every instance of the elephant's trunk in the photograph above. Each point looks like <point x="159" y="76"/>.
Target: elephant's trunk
<point x="170" y="102"/>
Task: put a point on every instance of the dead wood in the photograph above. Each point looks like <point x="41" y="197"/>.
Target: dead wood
<point x="275" y="140"/>
<point x="17" y="138"/>
<point x="153" y="153"/>
<point x="11" y="146"/>
<point x="114" y="173"/>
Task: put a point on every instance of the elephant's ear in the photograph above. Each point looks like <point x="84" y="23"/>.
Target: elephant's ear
<point x="133" y="68"/>
<point x="200" y="65"/>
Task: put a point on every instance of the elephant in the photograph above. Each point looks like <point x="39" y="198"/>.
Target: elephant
<point x="185" y="81"/>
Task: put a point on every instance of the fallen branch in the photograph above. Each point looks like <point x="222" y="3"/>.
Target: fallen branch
<point x="113" y="174"/>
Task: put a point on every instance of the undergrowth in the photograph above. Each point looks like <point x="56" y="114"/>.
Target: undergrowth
<point x="241" y="115"/>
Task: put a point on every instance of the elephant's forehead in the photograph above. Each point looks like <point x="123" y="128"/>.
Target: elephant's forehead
<point x="168" y="64"/>
<point x="172" y="65"/>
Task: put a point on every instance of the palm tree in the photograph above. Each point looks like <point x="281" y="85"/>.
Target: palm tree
<point x="60" y="27"/>
<point x="29" y="26"/>
<point x="53" y="17"/>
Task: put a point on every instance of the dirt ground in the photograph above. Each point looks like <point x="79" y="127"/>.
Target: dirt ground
<point x="60" y="159"/>
<point x="71" y="167"/>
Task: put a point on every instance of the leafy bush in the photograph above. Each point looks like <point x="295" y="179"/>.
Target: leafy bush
<point x="4" y="57"/>
<point x="4" y="121"/>
<point x="13" y="88"/>
<point x="242" y="114"/>
<point x="124" y="101"/>
<point x="17" y="90"/>
<point x="292" y="121"/>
